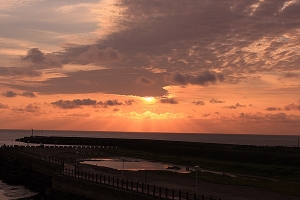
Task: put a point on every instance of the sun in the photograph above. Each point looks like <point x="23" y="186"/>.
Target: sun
<point x="149" y="99"/>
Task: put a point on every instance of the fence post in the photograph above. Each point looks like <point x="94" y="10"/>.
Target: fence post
<point x="117" y="182"/>
<point x="100" y="179"/>
<point x="137" y="186"/>
<point x="202" y="197"/>
<point x="104" y="179"/>
<point x="173" y="194"/>
<point x="131" y="185"/>
<point x="166" y="193"/>
<point x="187" y="196"/>
<point x="126" y="184"/>
<point x="122" y="184"/>
<point x="211" y="198"/>
<point x="159" y="192"/>
<point x="108" y="180"/>
<point x="195" y="197"/>
<point x="96" y="178"/>
<point x="148" y="188"/>
<point x="84" y="175"/>
<point x="113" y="181"/>
<point x="154" y="190"/>
<point x="143" y="188"/>
<point x="179" y="194"/>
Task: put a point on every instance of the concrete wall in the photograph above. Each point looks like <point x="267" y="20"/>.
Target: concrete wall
<point x="93" y="190"/>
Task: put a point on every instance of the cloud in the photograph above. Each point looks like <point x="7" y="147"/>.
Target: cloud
<point x="76" y="103"/>
<point x="129" y="102"/>
<point x="291" y="75"/>
<point x="116" y="110"/>
<point x="273" y="109"/>
<point x="206" y="115"/>
<point x="9" y="94"/>
<point x="39" y="59"/>
<point x="237" y="105"/>
<point x="19" y="71"/>
<point x="145" y="81"/>
<point x="95" y="55"/>
<point x="216" y="101"/>
<point x="168" y="101"/>
<point x="292" y="107"/>
<point x="107" y="103"/>
<point x="110" y="81"/>
<point x="3" y="106"/>
<point x="199" y="103"/>
<point x="203" y="78"/>
<point x="28" y="94"/>
<point x="31" y="108"/>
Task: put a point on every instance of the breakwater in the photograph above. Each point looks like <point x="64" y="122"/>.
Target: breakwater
<point x="85" y="185"/>
<point x="267" y="155"/>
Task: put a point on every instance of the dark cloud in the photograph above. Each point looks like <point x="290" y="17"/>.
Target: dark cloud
<point x="129" y="102"/>
<point x="28" y="94"/>
<point x="168" y="101"/>
<point x="199" y="103"/>
<point x="107" y="103"/>
<point x="9" y="94"/>
<point x="110" y="81"/>
<point x="237" y="105"/>
<point x="76" y="103"/>
<point x="145" y="81"/>
<point x="292" y="107"/>
<point x="31" y="108"/>
<point x="291" y="75"/>
<point x="268" y="118"/>
<point x="19" y="71"/>
<point x="216" y="101"/>
<point x="116" y="110"/>
<point x="39" y="59"/>
<point x="191" y="40"/>
<point x="203" y="78"/>
<point x="95" y="55"/>
<point x="273" y="109"/>
<point x="3" y="106"/>
<point x="277" y="116"/>
<point x="206" y="115"/>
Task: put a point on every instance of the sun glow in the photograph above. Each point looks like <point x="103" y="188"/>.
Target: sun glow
<point x="149" y="99"/>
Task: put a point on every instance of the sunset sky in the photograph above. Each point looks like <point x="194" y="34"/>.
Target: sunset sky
<point x="197" y="66"/>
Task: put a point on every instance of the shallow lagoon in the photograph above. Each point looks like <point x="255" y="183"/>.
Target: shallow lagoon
<point x="133" y="164"/>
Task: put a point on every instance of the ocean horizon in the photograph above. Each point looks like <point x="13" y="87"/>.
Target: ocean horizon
<point x="8" y="137"/>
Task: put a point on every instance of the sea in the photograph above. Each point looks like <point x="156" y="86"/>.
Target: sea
<point x="8" y="137"/>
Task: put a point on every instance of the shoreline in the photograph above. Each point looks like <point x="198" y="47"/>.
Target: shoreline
<point x="223" y="157"/>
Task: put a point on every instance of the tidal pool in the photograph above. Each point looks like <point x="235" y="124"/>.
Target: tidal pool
<point x="134" y="164"/>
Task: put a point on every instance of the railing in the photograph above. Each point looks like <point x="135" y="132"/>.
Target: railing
<point x="131" y="186"/>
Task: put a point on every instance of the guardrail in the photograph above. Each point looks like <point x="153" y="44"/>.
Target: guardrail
<point x="132" y="186"/>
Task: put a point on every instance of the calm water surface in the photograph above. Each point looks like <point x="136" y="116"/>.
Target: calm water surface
<point x="9" y="192"/>
<point x="133" y="164"/>
<point x="8" y="136"/>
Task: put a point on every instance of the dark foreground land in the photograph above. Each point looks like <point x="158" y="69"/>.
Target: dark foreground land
<point x="236" y="171"/>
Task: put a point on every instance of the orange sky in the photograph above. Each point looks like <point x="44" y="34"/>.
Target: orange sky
<point x="198" y="66"/>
